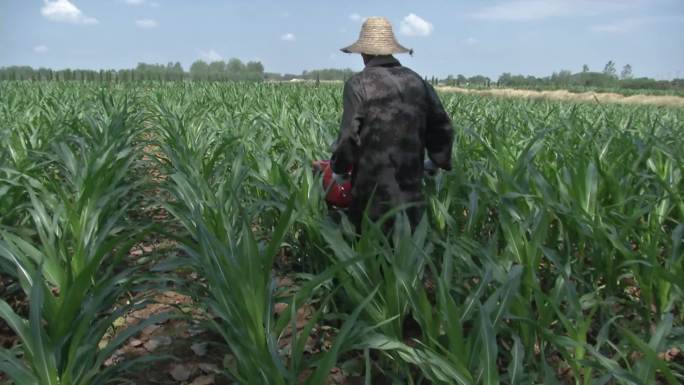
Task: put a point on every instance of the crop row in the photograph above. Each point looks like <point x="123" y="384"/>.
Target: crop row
<point x="551" y="254"/>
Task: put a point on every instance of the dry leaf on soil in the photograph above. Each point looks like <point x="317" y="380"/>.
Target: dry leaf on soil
<point x="199" y="348"/>
<point x="180" y="372"/>
<point x="203" y="380"/>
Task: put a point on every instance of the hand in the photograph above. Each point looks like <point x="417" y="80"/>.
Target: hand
<point x="430" y="167"/>
<point x="340" y="179"/>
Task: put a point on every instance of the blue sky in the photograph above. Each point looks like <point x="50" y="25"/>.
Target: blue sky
<point x="486" y="37"/>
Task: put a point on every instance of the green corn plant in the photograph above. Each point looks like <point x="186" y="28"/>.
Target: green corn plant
<point x="550" y="253"/>
<point x="72" y="270"/>
<point x="223" y="246"/>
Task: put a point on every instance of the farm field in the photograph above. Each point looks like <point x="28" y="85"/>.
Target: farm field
<point x="644" y="98"/>
<point x="175" y="233"/>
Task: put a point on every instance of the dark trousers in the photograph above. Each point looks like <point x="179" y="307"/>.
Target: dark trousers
<point x="414" y="214"/>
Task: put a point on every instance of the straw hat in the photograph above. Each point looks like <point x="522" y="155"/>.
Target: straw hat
<point x="376" y="38"/>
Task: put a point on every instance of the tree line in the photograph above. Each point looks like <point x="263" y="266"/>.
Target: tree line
<point x="326" y="74"/>
<point x="233" y="70"/>
<point x="253" y="71"/>
<point x="607" y="78"/>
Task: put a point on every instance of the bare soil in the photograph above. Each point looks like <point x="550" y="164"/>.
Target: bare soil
<point x="600" y="97"/>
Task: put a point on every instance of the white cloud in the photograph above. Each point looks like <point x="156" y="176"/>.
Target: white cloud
<point x="522" y="10"/>
<point x="413" y="25"/>
<point x="630" y="24"/>
<point x="531" y="10"/>
<point x="210" y="55"/>
<point x="40" y="49"/>
<point x="147" y="23"/>
<point x="355" y="17"/>
<point x="65" y="11"/>
<point x="471" y="41"/>
<point x="152" y="4"/>
<point x="288" y="37"/>
<point x="616" y="27"/>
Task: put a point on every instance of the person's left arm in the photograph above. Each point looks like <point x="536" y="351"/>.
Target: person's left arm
<point x="346" y="148"/>
<point x="439" y="133"/>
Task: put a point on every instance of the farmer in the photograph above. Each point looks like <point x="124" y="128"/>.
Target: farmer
<point x="391" y="116"/>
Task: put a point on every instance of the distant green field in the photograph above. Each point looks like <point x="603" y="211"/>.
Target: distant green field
<point x="580" y="89"/>
<point x="552" y="253"/>
<point x="622" y="91"/>
<point x="629" y="92"/>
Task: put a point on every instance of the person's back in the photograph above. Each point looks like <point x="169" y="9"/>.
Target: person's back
<point x="391" y="116"/>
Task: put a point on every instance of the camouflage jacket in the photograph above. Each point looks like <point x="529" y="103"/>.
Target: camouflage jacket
<point x="390" y="118"/>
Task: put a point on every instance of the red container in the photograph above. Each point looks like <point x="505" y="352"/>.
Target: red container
<point x="338" y="195"/>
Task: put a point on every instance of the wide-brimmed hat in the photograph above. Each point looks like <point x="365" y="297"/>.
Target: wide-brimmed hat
<point x="376" y="38"/>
